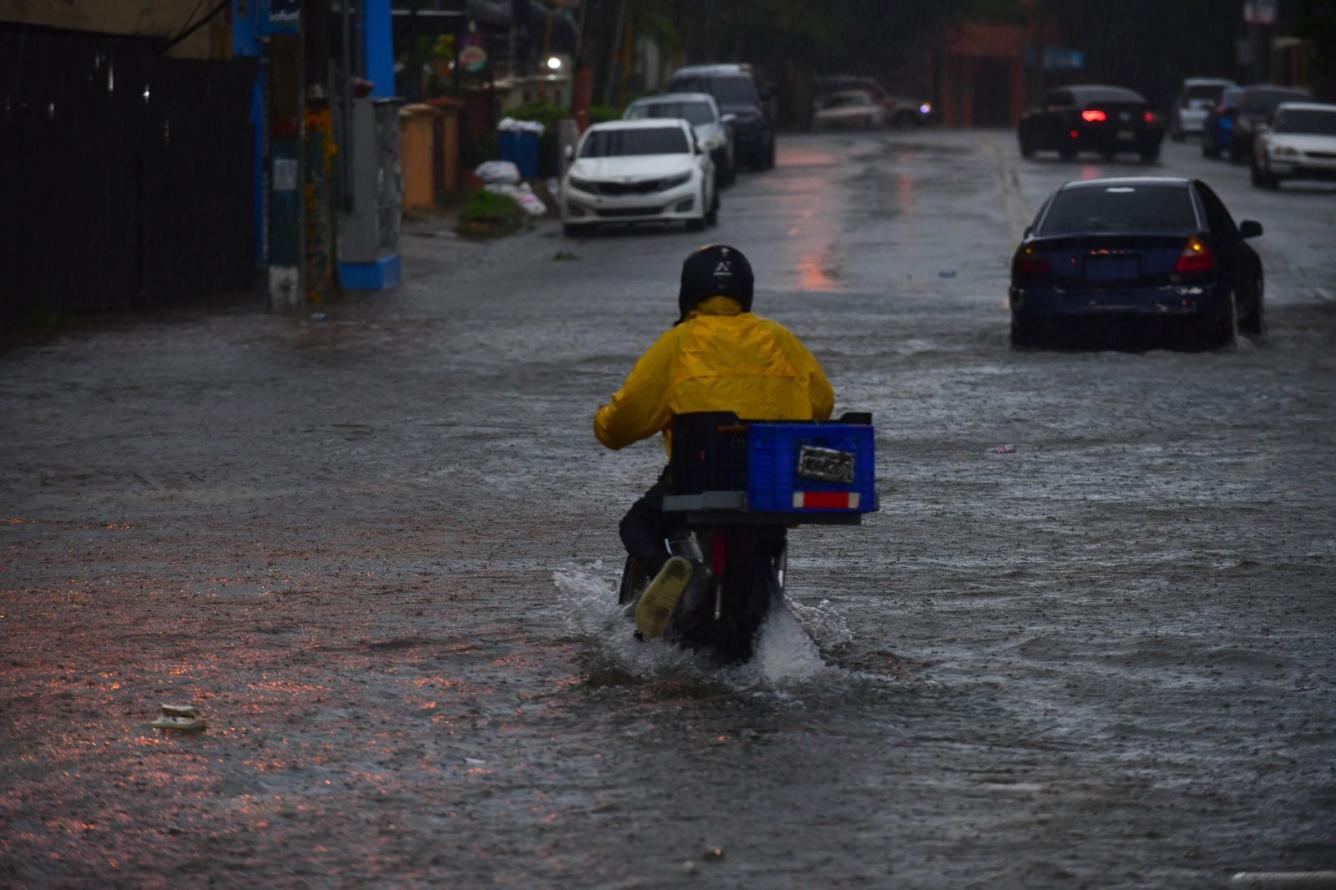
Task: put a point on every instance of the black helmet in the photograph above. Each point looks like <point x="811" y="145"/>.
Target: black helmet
<point x="712" y="270"/>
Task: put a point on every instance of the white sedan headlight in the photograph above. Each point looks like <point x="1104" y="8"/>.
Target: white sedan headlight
<point x="673" y="182"/>
<point x="583" y="185"/>
<point x="1284" y="151"/>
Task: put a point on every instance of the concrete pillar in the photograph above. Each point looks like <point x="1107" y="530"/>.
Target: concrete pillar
<point x="1016" y="72"/>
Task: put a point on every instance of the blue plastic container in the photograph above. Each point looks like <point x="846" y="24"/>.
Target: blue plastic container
<point x="783" y="457"/>
<point x="520" y="147"/>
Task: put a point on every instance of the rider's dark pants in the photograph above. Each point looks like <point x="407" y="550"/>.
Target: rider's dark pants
<point x="645" y="527"/>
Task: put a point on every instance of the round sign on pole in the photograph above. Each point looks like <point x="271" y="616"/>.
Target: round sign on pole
<point x="473" y="58"/>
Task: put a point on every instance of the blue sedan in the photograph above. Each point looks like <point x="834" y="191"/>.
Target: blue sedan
<point x="1143" y="249"/>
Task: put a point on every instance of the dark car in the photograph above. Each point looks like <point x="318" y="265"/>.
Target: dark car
<point x="1255" y="110"/>
<point x="1157" y="249"/>
<point x="1091" y="118"/>
<point x="1217" y="131"/>
<point x="735" y="92"/>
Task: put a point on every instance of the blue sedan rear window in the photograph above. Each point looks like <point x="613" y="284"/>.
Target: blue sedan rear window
<point x="1120" y="208"/>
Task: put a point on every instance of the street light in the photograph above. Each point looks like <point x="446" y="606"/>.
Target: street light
<point x="553" y="63"/>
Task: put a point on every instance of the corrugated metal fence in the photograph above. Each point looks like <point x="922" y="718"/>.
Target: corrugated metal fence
<point x="126" y="178"/>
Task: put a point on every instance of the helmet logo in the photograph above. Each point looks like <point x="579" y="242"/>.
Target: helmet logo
<point x="724" y="268"/>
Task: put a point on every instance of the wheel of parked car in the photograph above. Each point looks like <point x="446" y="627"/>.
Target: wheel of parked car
<point x="712" y="216"/>
<point x="1027" y="148"/>
<point x="697" y="223"/>
<point x="1022" y="337"/>
<point x="1219" y="330"/>
<point x="1252" y="321"/>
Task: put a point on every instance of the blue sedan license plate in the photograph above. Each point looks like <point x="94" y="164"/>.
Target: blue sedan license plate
<point x="1111" y="269"/>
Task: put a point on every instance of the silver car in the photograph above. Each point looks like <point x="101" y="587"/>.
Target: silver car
<point x="1196" y="97"/>
<point x="713" y="130"/>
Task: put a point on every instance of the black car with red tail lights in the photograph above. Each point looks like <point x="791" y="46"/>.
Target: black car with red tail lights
<point x="1154" y="251"/>
<point x="1095" y="118"/>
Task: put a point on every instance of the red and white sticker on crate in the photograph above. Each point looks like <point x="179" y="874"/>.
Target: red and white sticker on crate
<point x="825" y="500"/>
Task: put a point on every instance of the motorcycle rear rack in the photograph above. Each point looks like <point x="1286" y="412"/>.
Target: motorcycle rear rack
<point x="730" y="508"/>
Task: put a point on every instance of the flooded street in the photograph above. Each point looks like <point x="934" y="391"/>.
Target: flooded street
<point x="379" y="553"/>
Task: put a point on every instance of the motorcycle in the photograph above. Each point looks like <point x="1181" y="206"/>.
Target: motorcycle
<point x="737" y="487"/>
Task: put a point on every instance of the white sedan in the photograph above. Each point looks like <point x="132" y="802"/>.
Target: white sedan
<point x="639" y="171"/>
<point x="1300" y="143"/>
<point x="850" y="108"/>
<point x="713" y="130"/>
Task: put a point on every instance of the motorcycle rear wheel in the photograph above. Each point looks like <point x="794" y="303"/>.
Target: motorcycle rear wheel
<point x="752" y="579"/>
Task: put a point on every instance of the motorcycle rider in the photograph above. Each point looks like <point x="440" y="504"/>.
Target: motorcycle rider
<point x="718" y="356"/>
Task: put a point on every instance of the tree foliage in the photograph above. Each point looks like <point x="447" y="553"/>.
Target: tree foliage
<point x="1149" y="45"/>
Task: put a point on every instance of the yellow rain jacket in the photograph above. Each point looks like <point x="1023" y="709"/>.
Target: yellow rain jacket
<point x="719" y="359"/>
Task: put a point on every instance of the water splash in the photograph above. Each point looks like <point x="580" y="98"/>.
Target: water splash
<point x="823" y="621"/>
<point x="787" y="645"/>
<point x="784" y="651"/>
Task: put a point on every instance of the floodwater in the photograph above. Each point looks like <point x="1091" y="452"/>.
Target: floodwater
<point x="379" y="553"/>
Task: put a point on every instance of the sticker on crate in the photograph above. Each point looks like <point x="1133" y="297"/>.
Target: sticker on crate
<point x="826" y="464"/>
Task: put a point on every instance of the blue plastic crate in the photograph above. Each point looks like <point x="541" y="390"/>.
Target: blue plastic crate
<point x="775" y="482"/>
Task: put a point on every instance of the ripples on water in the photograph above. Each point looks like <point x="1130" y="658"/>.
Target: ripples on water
<point x="788" y="648"/>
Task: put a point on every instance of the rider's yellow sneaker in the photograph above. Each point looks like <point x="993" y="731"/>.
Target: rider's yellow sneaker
<point x="656" y="605"/>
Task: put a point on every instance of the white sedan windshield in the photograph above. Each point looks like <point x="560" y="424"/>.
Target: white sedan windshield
<point x="1318" y="123"/>
<point x="694" y="113"/>
<point x="618" y="143"/>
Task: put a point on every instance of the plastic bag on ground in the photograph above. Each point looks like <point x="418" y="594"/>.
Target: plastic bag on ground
<point x="521" y="193"/>
<point x="509" y="123"/>
<point x="498" y="172"/>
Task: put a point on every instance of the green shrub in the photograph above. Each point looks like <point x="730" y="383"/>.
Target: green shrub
<point x="599" y="114"/>
<point x="490" y="215"/>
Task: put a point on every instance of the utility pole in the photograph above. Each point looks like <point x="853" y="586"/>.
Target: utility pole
<point x="286" y="111"/>
<point x="614" y="72"/>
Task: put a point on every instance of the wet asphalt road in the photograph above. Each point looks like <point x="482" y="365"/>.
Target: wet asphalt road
<point x="379" y="553"/>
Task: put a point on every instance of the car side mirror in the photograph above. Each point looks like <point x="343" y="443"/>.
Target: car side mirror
<point x="1250" y="228"/>
<point x="570" y="152"/>
<point x="728" y="118"/>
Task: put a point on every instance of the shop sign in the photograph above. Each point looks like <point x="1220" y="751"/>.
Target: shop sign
<point x="473" y="58"/>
